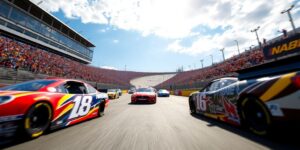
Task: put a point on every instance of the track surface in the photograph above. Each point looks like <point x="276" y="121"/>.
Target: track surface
<point x="161" y="126"/>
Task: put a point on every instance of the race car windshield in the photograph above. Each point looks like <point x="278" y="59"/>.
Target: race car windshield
<point x="28" y="86"/>
<point x="144" y="90"/>
<point x="162" y="91"/>
<point x="111" y="90"/>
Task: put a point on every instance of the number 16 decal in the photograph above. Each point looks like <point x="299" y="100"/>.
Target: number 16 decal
<point x="82" y="106"/>
<point x="201" y="103"/>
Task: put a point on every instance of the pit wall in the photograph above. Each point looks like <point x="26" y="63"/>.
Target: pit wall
<point x="183" y="92"/>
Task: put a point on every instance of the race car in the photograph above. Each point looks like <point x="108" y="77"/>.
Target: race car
<point x="32" y="107"/>
<point x="119" y="92"/>
<point x="113" y="93"/>
<point x="131" y="90"/>
<point x="257" y="104"/>
<point x="144" y="95"/>
<point x="163" y="93"/>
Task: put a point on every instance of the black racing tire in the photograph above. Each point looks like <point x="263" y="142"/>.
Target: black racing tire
<point x="101" y="109"/>
<point x="37" y="120"/>
<point x="192" y="106"/>
<point x="255" y="116"/>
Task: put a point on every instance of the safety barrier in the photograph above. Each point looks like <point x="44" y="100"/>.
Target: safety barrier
<point x="183" y="92"/>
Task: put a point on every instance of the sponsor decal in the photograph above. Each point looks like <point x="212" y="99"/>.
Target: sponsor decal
<point x="282" y="47"/>
<point x="275" y="110"/>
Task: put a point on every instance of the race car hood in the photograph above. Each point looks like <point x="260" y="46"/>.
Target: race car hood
<point x="17" y="93"/>
<point x="144" y="93"/>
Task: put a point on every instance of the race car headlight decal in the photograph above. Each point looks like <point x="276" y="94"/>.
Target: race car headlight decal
<point x="5" y="99"/>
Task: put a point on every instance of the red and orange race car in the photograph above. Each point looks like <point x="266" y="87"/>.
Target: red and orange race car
<point x="34" y="106"/>
<point x="144" y="95"/>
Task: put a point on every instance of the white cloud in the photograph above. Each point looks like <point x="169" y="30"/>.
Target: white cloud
<point x="115" y="41"/>
<point x="109" y="67"/>
<point x="177" y="19"/>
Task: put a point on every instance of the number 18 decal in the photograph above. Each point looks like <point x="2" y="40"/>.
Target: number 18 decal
<point x="82" y="106"/>
<point x="201" y="103"/>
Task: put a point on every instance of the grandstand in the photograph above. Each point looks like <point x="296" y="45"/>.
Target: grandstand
<point x="196" y="79"/>
<point x="33" y="40"/>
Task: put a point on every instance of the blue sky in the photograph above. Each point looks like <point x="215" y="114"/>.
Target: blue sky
<point x="157" y="36"/>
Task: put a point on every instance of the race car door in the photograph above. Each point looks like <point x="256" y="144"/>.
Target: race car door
<point x="80" y="101"/>
<point x="204" y="99"/>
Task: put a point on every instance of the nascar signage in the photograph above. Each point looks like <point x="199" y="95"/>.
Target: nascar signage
<point x="287" y="46"/>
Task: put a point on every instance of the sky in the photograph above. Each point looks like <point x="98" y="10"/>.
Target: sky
<point x="163" y="35"/>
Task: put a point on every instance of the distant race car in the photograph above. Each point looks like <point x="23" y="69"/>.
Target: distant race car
<point x="37" y="105"/>
<point x="119" y="92"/>
<point x="163" y="93"/>
<point x="257" y="104"/>
<point x="131" y="90"/>
<point x="113" y="93"/>
<point x="144" y="95"/>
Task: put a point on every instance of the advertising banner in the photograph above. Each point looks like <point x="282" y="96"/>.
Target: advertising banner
<point x="283" y="47"/>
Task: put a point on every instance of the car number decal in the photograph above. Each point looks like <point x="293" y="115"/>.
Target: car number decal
<point x="82" y="106"/>
<point x="201" y="101"/>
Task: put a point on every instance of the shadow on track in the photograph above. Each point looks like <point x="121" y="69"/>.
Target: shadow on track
<point x="141" y="103"/>
<point x="279" y="140"/>
<point x="19" y="138"/>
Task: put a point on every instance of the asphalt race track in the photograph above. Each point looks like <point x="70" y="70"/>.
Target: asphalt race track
<point x="166" y="125"/>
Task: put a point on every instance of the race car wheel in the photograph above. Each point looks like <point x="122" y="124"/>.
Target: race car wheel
<point x="101" y="109"/>
<point x="255" y="116"/>
<point x="192" y="106"/>
<point x="37" y="120"/>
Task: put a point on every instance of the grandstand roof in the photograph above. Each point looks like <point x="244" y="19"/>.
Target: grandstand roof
<point x="51" y="20"/>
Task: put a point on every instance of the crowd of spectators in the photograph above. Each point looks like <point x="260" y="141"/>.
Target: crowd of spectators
<point x="225" y="68"/>
<point x="15" y="54"/>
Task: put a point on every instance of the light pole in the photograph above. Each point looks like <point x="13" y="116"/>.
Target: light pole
<point x="212" y="59"/>
<point x="288" y="11"/>
<point x="222" y="50"/>
<point x="201" y="62"/>
<point x="255" y="30"/>
<point x="237" y="44"/>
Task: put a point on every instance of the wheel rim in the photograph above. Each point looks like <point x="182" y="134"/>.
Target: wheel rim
<point x="38" y="119"/>
<point x="256" y="116"/>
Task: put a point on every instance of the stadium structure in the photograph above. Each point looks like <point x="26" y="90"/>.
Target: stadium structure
<point x="26" y="22"/>
<point x="39" y="45"/>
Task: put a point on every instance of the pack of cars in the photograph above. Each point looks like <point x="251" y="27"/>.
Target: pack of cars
<point x="33" y="107"/>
